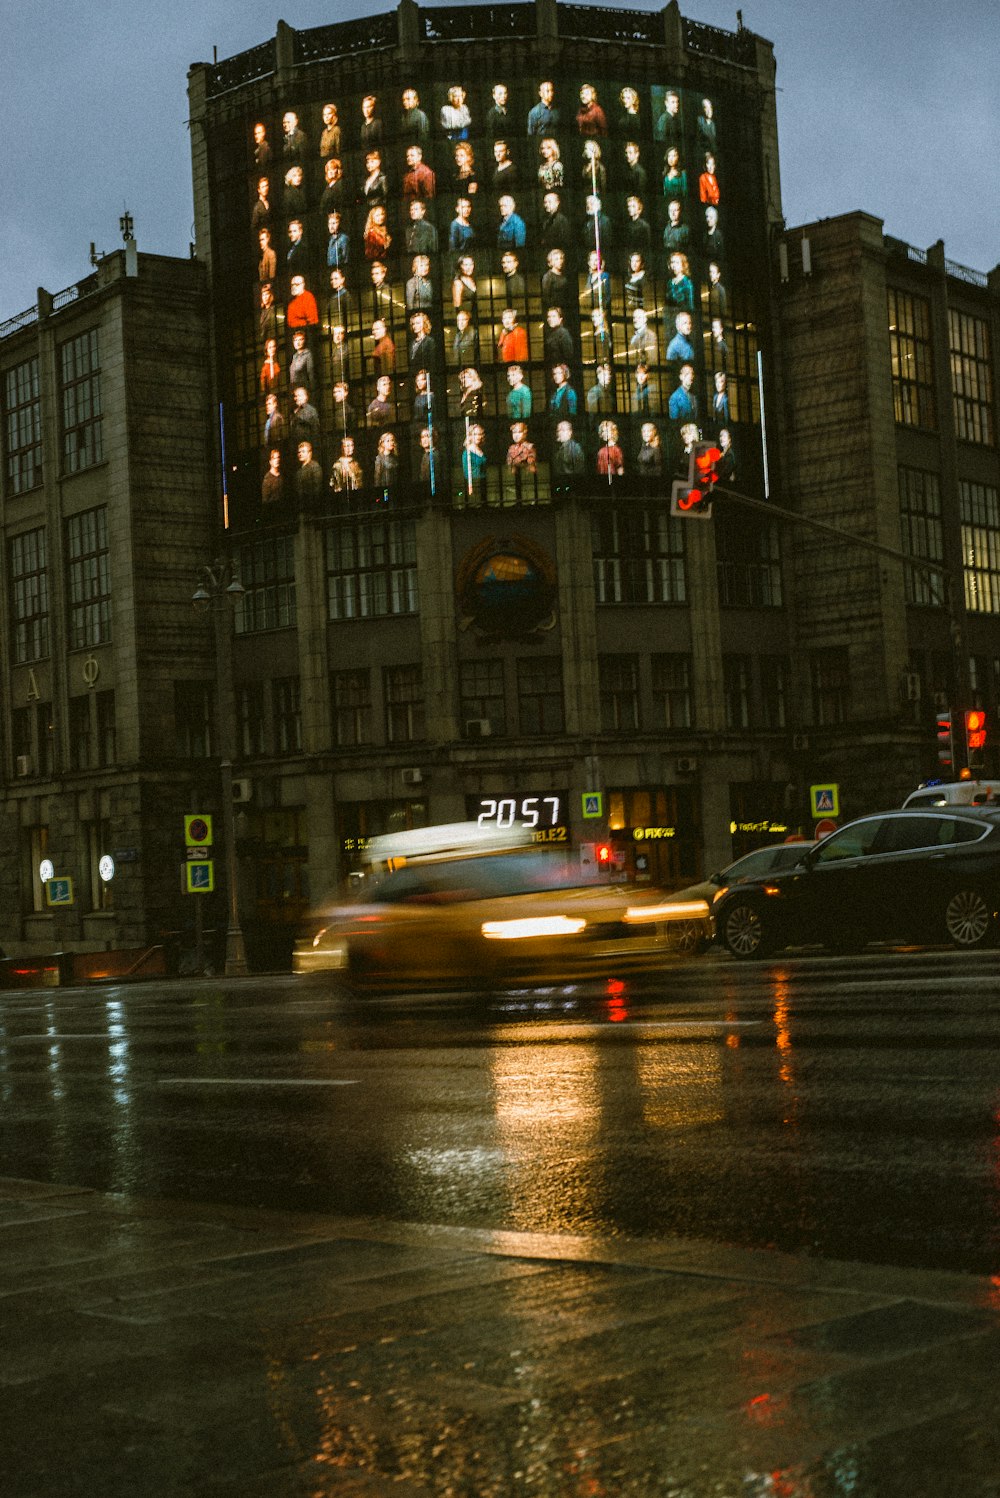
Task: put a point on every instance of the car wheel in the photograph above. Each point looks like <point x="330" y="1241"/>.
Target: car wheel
<point x="745" y="932"/>
<point x="968" y="919"/>
<point x="688" y="938"/>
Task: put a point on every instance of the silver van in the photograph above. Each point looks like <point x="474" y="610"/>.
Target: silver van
<point x="956" y="793"/>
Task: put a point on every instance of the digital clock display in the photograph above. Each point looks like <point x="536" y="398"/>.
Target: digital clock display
<point x="543" y="814"/>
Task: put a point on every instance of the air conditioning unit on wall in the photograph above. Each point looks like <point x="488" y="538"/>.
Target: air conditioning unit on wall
<point x="687" y="764"/>
<point x="911" y="686"/>
<point x="24" y="764"/>
<point x="242" y="791"/>
<point x="478" y="728"/>
<point x="411" y="777"/>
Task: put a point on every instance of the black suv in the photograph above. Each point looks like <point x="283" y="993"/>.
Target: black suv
<point x="913" y="875"/>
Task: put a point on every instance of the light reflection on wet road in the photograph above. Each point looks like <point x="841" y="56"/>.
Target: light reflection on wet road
<point x="848" y="1108"/>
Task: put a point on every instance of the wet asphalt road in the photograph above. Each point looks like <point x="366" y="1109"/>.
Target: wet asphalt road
<point x="847" y="1108"/>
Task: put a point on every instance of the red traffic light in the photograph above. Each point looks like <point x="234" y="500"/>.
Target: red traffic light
<point x="975" y="729"/>
<point x="695" y="496"/>
<point x="946" y="752"/>
<point x="604" y="854"/>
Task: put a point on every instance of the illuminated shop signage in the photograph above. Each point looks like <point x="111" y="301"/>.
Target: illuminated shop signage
<point x="652" y="834"/>
<point x="543" y="814"/>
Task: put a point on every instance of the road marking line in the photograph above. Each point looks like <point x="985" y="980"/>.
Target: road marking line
<point x="257" y="1082"/>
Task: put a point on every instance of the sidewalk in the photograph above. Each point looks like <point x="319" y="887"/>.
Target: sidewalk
<point x="159" y="1349"/>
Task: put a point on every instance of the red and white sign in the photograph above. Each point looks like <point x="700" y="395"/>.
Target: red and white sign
<point x="824" y="828"/>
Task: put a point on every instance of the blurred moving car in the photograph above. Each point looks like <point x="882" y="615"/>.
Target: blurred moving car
<point x="460" y="906"/>
<point x="956" y="793"/>
<point x="917" y="875"/>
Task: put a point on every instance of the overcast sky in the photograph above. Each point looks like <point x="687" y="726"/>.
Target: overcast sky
<point x="889" y="106"/>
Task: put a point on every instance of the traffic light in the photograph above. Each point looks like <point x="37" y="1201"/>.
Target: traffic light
<point x="604" y="855"/>
<point x="693" y="496"/>
<point x="946" y="748"/>
<point x="975" y="737"/>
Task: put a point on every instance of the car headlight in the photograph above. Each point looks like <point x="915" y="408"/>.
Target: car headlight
<point x="673" y="910"/>
<point x="319" y="936"/>
<point x="539" y="925"/>
<point x="719" y="894"/>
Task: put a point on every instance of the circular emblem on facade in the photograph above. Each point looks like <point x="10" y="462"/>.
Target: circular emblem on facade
<point x="46" y="870"/>
<point x="106" y="867"/>
<point x="506" y="588"/>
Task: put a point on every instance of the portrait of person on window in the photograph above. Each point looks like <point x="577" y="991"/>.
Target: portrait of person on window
<point x="677" y="234"/>
<point x="370" y="133"/>
<point x="557" y="340"/>
<point x="464" y="288"/>
<point x="543" y="117"/>
<point x="680" y="288"/>
<point x="456" y="119"/>
<point x="719" y="347"/>
<point x="376" y="238"/>
<point x="504" y="170"/>
<point x="708" y="182"/>
<point x="675" y="182"/>
<point x="275" y="426"/>
<point x="629" y="122"/>
<point x="649" y="458"/>
<point x="706" y="127"/>
<point x="296" y="255"/>
<point x="464" y="179"/>
<point x="513" y="281"/>
<point x="596" y="225"/>
<point x="511" y="232"/>
<point x="461" y="234"/>
<point x="302" y="311"/>
<point x="268" y="323"/>
<point x="335" y="191"/>
<point x="726" y="466"/>
<point x="419" y="290"/>
<point x="301" y="369"/>
<point x="419" y="180"/>
<point x="643" y="395"/>
<point x="465" y="343"/>
<point x="346" y="475"/>
<point x="634" y="175"/>
<point x="683" y="403"/>
<point x="519" y="397"/>
<point x="553" y="231"/>
<point x="293" y="141"/>
<point x="422" y="348"/>
<point x="610" y="459"/>
<point x="340" y="357"/>
<point x="712" y="242"/>
<point x="680" y="349"/>
<point x="498" y="119"/>
<point x="343" y="411"/>
<point x="638" y="235"/>
<point x="473" y="455"/>
<point x="568" y="460"/>
<point x="261" y="145"/>
<point x="601" y="395"/>
<point x="590" y="117"/>
<point x="593" y="173"/>
<point x="383" y="348"/>
<point x="374" y="188"/>
<point x="413" y="122"/>
<point x="720" y="399"/>
<point x="308" y="475"/>
<point x="635" y="282"/>
<point x="339" y="306"/>
<point x="431" y="458"/>
<point x="555" y="286"/>
<point x="338" y="244"/>
<point x="305" y="417"/>
<point x="472" y="398"/>
<point x="260" y="213"/>
<point x="329" y="141"/>
<point x="669" y="127"/>
<point x="267" y="265"/>
<point x="293" y="198"/>
<point x="512" y="343"/>
<point x="521" y="453"/>
<point x="563" y="400"/>
<point x="421" y="234"/>
<point x="550" y="169"/>
<point x="381" y="410"/>
<point x="273" y="484"/>
<point x="600" y="335"/>
<point x="718" y="297"/>
<point x="425" y="401"/>
<point x="642" y="346"/>
<point x="386" y="474"/>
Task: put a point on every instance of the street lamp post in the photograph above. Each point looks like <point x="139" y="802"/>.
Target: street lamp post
<point x="220" y="590"/>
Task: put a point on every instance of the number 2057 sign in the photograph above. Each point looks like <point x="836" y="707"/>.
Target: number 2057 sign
<point x="543" y="813"/>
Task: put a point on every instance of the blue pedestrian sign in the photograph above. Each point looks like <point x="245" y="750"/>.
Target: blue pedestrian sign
<point x="593" y="803"/>
<point x="59" y="890"/>
<point x="200" y="876"/>
<point x="825" y="800"/>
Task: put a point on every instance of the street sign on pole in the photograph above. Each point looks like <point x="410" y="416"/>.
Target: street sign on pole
<point x="593" y="803"/>
<point x="824" y="800"/>
<point x="200" y="876"/>
<point x="197" y="831"/>
<point x="59" y="890"/>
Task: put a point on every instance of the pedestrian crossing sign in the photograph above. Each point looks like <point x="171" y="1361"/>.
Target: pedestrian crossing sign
<point x="200" y="876"/>
<point x="593" y="803"/>
<point x="825" y="800"/>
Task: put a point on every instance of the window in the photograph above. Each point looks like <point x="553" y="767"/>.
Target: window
<point x="923" y="533"/>
<point x="29" y="596"/>
<point x="45" y="738"/>
<point x="107" y="737"/>
<point x="619" y="688"/>
<point x="36" y="846"/>
<point x="80" y="370"/>
<point x="748" y="561"/>
<point x="81" y="737"/>
<point x="23" y="426"/>
<point x="23" y="742"/>
<point x="638" y="556"/>
<point x="774" y="690"/>
<point x="971" y="377"/>
<point x="481" y="697"/>
<point x="855" y="841"/>
<point x="736" y="690"/>
<point x="371" y="568"/>
<point x="98" y="843"/>
<point x="911" y="360"/>
<point x="250" y="719"/>
<point x="89" y="578"/>
<point x="351" y="695"/>
<point x="672" y="691"/>
<point x="540" y="695"/>
<point x="980" y="519"/>
<point x="267" y="572"/>
<point x="831" y="687"/>
<point x="193" y="718"/>
<point x="287" y="692"/>
<point x="404" y="704"/>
